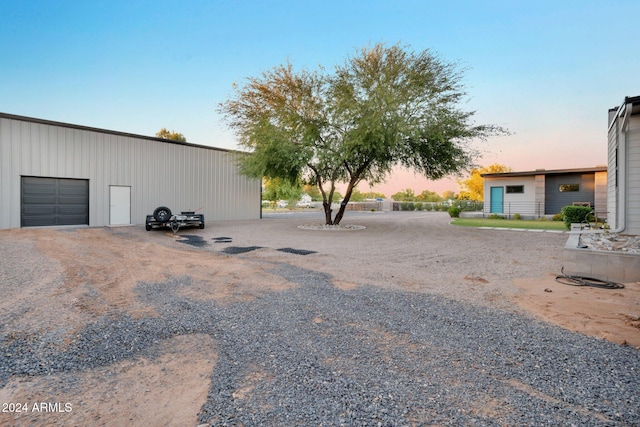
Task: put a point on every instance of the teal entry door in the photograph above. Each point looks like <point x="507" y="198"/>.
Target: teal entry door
<point x="496" y="200"/>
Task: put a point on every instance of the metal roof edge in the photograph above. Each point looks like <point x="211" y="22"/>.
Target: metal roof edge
<point x="620" y="110"/>
<point x="546" y="172"/>
<point x="632" y="99"/>
<point x="107" y="131"/>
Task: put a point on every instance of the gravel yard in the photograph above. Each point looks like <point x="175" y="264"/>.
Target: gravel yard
<point x="410" y="321"/>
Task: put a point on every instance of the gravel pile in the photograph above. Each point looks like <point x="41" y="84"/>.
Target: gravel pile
<point x="319" y="355"/>
<point x="611" y="242"/>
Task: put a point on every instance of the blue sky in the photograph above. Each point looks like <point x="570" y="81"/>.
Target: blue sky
<point x="546" y="70"/>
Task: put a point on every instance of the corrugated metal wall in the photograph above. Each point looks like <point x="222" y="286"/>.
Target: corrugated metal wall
<point x="182" y="177"/>
<point x="613" y="180"/>
<point x="633" y="176"/>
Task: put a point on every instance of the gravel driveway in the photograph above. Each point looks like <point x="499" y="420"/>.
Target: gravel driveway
<point x="404" y="323"/>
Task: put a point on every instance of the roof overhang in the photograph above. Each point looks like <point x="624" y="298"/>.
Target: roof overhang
<point x="545" y="172"/>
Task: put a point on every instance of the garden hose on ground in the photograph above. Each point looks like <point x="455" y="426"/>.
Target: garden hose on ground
<point x="586" y="281"/>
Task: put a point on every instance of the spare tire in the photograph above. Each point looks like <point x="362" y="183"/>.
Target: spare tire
<point x="162" y="214"/>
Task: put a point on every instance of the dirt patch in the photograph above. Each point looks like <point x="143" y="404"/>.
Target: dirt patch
<point x="64" y="280"/>
<point x="611" y="314"/>
<point x="101" y="267"/>
<point x="167" y="390"/>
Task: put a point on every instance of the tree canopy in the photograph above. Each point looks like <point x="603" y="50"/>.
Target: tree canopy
<point x="472" y="188"/>
<point x="409" y="195"/>
<point x="172" y="135"/>
<point x="278" y="189"/>
<point x="384" y="107"/>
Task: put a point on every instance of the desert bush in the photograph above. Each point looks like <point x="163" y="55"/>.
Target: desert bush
<point x="557" y="217"/>
<point x="517" y="216"/>
<point x="454" y="211"/>
<point x="574" y="214"/>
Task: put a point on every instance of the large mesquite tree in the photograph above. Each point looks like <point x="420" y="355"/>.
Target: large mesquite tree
<point x="384" y="107"/>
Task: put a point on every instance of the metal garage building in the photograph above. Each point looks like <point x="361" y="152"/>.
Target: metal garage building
<point x="55" y="173"/>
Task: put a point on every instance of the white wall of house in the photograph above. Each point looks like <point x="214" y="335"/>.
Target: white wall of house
<point x="158" y="173"/>
<point x="623" y="202"/>
<point x="525" y="203"/>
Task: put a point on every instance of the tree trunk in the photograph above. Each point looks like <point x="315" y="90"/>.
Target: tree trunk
<point x="327" y="199"/>
<point x="327" y="212"/>
<point x="340" y="213"/>
<point x="345" y="201"/>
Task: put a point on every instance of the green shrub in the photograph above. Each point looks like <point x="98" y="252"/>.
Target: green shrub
<point x="517" y="216"/>
<point x="557" y="217"/>
<point x="427" y="207"/>
<point x="454" y="212"/>
<point x="575" y="214"/>
<point x="418" y="206"/>
<point x="542" y="218"/>
<point x="495" y="216"/>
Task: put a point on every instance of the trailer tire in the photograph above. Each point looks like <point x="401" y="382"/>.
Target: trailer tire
<point x="162" y="214"/>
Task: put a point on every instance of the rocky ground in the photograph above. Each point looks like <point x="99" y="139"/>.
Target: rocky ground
<point x="605" y="241"/>
<point x="407" y="321"/>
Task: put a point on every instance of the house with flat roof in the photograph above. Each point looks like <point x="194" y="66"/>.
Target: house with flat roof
<point x="534" y="194"/>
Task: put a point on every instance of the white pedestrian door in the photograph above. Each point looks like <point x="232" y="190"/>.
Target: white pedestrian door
<point x="120" y="205"/>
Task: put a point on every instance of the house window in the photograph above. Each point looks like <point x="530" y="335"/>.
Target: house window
<point x="565" y="188"/>
<point x="515" y="189"/>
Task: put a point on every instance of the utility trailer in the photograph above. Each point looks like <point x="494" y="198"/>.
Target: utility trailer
<point x="163" y="218"/>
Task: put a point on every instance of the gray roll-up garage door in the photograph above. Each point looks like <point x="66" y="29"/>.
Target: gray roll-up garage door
<point x="54" y="201"/>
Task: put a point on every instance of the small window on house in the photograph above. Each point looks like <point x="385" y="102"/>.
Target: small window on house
<point x="515" y="189"/>
<point x="565" y="188"/>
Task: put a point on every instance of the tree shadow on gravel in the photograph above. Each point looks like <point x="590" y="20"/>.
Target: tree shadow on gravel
<point x="236" y="250"/>
<point x="193" y="240"/>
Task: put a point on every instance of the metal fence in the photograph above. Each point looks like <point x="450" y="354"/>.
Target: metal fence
<point x="524" y="209"/>
<point x="464" y="205"/>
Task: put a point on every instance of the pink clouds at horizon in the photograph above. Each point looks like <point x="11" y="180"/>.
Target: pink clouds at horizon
<point x="518" y="158"/>
<point x="401" y="179"/>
